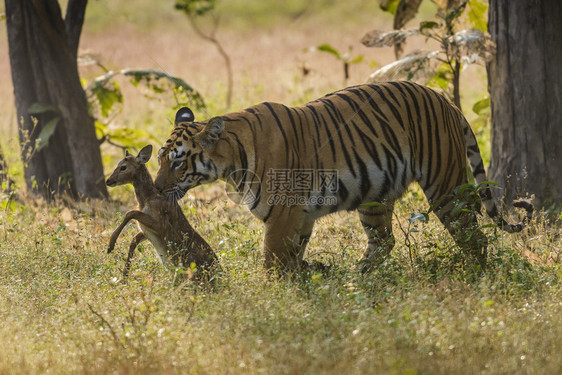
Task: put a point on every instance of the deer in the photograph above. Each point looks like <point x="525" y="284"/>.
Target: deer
<point x="160" y="220"/>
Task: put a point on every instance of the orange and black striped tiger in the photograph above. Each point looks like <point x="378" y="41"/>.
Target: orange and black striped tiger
<point x="362" y="144"/>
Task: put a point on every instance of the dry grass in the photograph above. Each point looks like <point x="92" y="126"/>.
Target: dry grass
<point x="63" y="309"/>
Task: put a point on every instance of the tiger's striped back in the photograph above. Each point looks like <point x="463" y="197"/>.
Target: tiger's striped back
<point x="371" y="140"/>
<point x="379" y="138"/>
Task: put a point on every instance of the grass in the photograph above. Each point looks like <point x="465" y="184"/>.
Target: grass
<point x="64" y="310"/>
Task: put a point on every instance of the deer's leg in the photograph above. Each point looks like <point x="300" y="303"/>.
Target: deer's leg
<point x="141" y="217"/>
<point x="139" y="237"/>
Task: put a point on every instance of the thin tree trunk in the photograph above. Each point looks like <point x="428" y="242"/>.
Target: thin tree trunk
<point x="41" y="169"/>
<point x="44" y="70"/>
<point x="73" y="22"/>
<point x="525" y="81"/>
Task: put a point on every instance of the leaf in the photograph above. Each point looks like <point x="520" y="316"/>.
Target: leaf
<point x="39" y="108"/>
<point x="481" y="106"/>
<point x="9" y="205"/>
<point x="329" y="49"/>
<point x="459" y="207"/>
<point x="148" y="76"/>
<point x="462" y="189"/>
<point x="378" y="38"/>
<point x="477" y="15"/>
<point x="105" y="92"/>
<point x="356" y="60"/>
<point x="128" y="137"/>
<point x="443" y="76"/>
<point x="107" y="95"/>
<point x="389" y="6"/>
<point x="406" y="11"/>
<point x="427" y="25"/>
<point x="100" y="129"/>
<point x="46" y="133"/>
<point x="487" y="184"/>
<point x="195" y="7"/>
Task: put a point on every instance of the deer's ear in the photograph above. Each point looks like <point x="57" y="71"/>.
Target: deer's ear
<point x="127" y="153"/>
<point x="210" y="133"/>
<point x="144" y="155"/>
<point x="184" y="114"/>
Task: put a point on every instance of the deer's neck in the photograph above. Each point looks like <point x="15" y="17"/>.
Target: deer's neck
<point x="144" y="187"/>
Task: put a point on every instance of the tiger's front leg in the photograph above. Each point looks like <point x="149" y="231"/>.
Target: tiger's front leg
<point x="285" y="241"/>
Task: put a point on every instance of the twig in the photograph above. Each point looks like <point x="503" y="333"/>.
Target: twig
<point x="211" y="37"/>
<point x="104" y="321"/>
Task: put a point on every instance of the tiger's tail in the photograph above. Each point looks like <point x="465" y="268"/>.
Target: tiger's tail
<point x="477" y="166"/>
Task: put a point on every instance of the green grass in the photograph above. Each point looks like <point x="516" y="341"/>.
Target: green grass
<point x="64" y="308"/>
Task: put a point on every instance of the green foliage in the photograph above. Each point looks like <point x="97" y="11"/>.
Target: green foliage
<point x="106" y="99"/>
<point x="104" y="92"/>
<point x="389" y="6"/>
<point x="48" y="129"/>
<point x="441" y="67"/>
<point x="39" y="108"/>
<point x="482" y="107"/>
<point x="477" y="15"/>
<point x="107" y="95"/>
<point x="345" y="58"/>
<point x="61" y="292"/>
<point x="195" y="7"/>
<point x="45" y="134"/>
<point x="160" y="82"/>
<point x="9" y="204"/>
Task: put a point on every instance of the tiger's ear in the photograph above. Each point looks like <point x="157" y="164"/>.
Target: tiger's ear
<point x="184" y="114"/>
<point x="144" y="155"/>
<point x="210" y="133"/>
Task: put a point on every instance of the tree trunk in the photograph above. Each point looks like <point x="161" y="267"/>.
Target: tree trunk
<point x="525" y="81"/>
<point x="44" y="70"/>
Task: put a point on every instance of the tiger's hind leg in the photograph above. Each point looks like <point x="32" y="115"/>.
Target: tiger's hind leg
<point x="463" y="226"/>
<point x="377" y="223"/>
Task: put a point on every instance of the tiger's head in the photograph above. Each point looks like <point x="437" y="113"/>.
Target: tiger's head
<point x="187" y="159"/>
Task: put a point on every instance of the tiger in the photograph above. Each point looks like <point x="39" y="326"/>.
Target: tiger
<point x="358" y="148"/>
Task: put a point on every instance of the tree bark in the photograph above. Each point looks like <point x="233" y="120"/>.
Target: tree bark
<point x="525" y="82"/>
<point x="73" y="22"/>
<point x="44" y="70"/>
